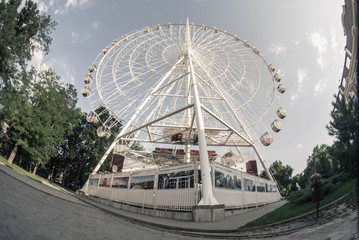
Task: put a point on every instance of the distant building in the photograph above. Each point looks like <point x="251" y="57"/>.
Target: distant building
<point x="348" y="85"/>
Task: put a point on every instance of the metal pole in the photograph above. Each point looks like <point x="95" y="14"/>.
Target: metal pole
<point x="207" y="196"/>
<point x="243" y="126"/>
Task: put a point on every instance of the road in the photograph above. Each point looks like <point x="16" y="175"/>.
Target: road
<point x="28" y="213"/>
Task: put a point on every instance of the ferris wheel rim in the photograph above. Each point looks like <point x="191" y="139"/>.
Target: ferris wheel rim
<point x="128" y="38"/>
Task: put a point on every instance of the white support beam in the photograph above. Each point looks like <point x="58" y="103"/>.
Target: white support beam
<point x="207" y="191"/>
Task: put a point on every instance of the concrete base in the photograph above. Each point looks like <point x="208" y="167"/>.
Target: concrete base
<point x="208" y="213"/>
<point x="178" y="215"/>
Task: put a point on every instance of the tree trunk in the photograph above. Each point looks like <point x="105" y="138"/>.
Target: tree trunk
<point x="63" y="178"/>
<point x="76" y="180"/>
<point x="13" y="154"/>
<point x="49" y="177"/>
<point x="35" y="168"/>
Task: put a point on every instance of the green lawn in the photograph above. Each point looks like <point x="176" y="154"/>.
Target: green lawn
<point x="26" y="173"/>
<point x="291" y="210"/>
<point x="20" y="170"/>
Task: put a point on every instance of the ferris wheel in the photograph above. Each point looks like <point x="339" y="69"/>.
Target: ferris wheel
<point x="157" y="81"/>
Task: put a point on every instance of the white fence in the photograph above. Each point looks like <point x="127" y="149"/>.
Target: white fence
<point x="178" y="188"/>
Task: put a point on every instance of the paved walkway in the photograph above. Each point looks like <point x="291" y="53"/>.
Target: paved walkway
<point x="231" y="223"/>
<point x="48" y="213"/>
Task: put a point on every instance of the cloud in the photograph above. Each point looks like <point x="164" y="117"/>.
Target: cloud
<point x="277" y="49"/>
<point x="320" y="43"/>
<point x="333" y="38"/>
<point x="38" y="61"/>
<point x="78" y="39"/>
<point x="293" y="98"/>
<point x="302" y="74"/>
<point x="76" y="3"/>
<point x="61" y="7"/>
<point x="95" y="24"/>
<point x="42" y="6"/>
<point x="63" y="70"/>
<point x="320" y="86"/>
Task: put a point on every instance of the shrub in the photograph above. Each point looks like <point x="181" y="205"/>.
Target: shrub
<point x="305" y="195"/>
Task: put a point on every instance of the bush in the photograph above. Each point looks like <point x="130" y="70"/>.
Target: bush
<point x="305" y="195"/>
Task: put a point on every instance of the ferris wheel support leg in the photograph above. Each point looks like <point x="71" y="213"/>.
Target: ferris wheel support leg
<point x="262" y="162"/>
<point x="242" y="124"/>
<point x="207" y="191"/>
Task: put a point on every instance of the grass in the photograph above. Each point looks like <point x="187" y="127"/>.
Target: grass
<point x="28" y="174"/>
<point x="290" y="210"/>
<point x="20" y="170"/>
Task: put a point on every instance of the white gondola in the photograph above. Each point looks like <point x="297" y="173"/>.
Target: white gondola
<point x="271" y="67"/>
<point x="88" y="79"/>
<point x="277" y="125"/>
<point x="114" y="42"/>
<point x="229" y="159"/>
<point x="215" y="30"/>
<point x="169" y="25"/>
<point x="281" y="112"/>
<point x="281" y="88"/>
<point x="92" y="68"/>
<point x="246" y="43"/>
<point x="256" y="51"/>
<point x="204" y="27"/>
<point x="106" y="49"/>
<point x="266" y="139"/>
<point x="85" y="91"/>
<point x="277" y="77"/>
<point x="92" y="118"/>
<point x="157" y="27"/>
<point x="236" y="38"/>
<point x="146" y="29"/>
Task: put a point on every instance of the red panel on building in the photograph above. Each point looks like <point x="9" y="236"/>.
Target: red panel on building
<point x="117" y="160"/>
<point x="252" y="167"/>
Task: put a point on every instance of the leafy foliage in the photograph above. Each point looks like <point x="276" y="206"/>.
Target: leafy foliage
<point x="78" y="154"/>
<point x="282" y="175"/>
<point x="345" y="128"/>
<point x="23" y="30"/>
<point x="329" y="184"/>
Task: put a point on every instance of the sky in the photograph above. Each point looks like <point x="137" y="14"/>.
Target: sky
<point x="304" y="39"/>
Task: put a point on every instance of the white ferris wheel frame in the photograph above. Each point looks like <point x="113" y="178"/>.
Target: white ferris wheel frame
<point x="193" y="109"/>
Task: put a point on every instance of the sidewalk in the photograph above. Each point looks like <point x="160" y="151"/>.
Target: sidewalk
<point x="229" y="224"/>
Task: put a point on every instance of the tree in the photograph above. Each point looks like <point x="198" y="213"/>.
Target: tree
<point x="283" y="176"/>
<point x="345" y="127"/>
<point x="80" y="152"/>
<point x="320" y="161"/>
<point x="22" y="32"/>
<point x="39" y="123"/>
<point x="55" y="114"/>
